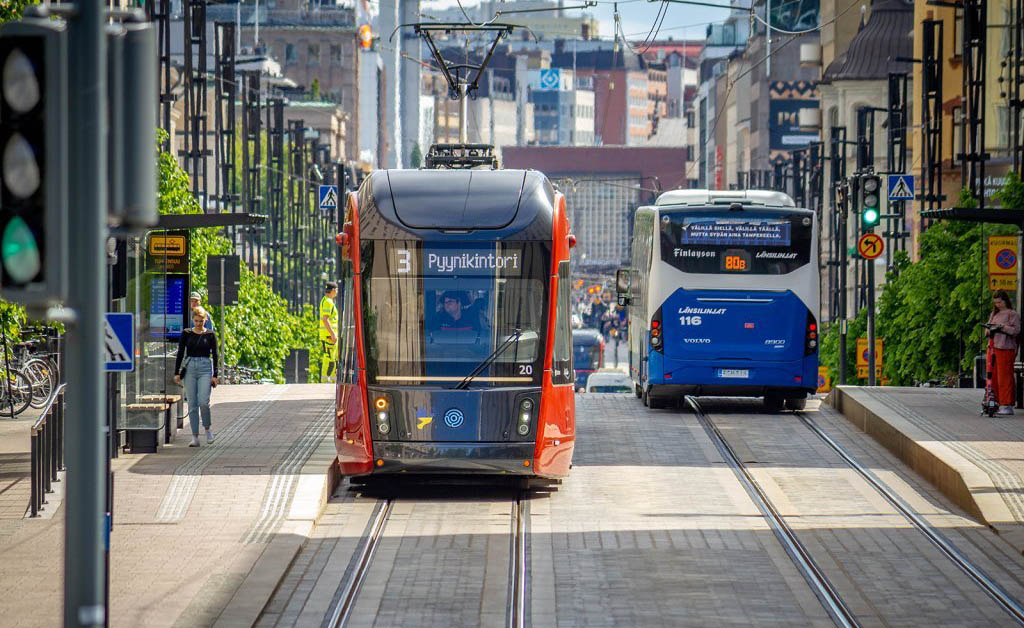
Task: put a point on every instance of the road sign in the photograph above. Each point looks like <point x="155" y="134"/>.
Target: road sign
<point x="168" y="252"/>
<point x="870" y="246"/>
<point x="222" y="279"/>
<point x="328" y="195"/>
<point x="1002" y="282"/>
<point x="1002" y="255"/>
<point x="550" y="79"/>
<point x="862" y="354"/>
<point x="901" y="187"/>
<point x="119" y="341"/>
<point x="824" y="383"/>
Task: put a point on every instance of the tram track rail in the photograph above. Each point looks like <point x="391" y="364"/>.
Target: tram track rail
<point x="992" y="588"/>
<point x="518" y="578"/>
<point x="823" y="588"/>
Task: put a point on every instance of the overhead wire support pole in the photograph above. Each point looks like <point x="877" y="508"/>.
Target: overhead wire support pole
<point x="85" y="502"/>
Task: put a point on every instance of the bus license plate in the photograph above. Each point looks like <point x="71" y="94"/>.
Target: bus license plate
<point x="734" y="373"/>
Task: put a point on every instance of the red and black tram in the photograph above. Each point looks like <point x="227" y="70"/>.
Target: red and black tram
<point x="456" y="348"/>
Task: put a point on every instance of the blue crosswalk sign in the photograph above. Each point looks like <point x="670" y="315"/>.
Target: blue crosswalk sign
<point x="901" y="187"/>
<point x="328" y="198"/>
<point x="119" y="342"/>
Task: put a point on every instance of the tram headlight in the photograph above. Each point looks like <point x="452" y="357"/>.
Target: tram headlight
<point x="383" y="428"/>
<point x="525" y="416"/>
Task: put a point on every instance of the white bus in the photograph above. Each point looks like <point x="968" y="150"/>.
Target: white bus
<point x="723" y="295"/>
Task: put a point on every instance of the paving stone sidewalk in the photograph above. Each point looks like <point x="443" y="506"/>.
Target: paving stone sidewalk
<point x="977" y="461"/>
<point x="201" y="535"/>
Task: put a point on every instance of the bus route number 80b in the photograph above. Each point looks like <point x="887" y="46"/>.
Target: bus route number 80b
<point x="736" y="261"/>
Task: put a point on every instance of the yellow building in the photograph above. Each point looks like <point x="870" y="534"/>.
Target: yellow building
<point x="997" y="110"/>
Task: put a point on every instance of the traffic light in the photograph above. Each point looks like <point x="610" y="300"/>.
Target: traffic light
<point x="33" y="161"/>
<point x="870" y="207"/>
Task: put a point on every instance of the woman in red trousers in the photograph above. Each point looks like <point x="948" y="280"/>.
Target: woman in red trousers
<point x="1003" y="329"/>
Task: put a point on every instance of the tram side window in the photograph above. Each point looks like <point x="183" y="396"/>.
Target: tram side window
<point x="561" y="362"/>
<point x="346" y="350"/>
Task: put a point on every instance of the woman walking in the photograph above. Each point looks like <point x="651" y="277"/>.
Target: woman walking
<point x="198" y="349"/>
<point x="1003" y="328"/>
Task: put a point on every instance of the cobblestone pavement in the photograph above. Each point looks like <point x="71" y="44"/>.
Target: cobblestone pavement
<point x="652" y="529"/>
<point x="443" y="561"/>
<point x="182" y="570"/>
<point x="886" y="571"/>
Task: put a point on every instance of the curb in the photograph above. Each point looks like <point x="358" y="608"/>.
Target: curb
<point x="956" y="477"/>
<point x="319" y="477"/>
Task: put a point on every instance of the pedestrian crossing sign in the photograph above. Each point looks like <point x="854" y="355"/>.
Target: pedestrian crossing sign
<point x="328" y="198"/>
<point x="901" y="187"/>
<point x="119" y="341"/>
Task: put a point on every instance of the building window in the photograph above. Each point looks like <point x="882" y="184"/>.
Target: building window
<point x="958" y="32"/>
<point x="1002" y="126"/>
<point x="314" y="55"/>
<point x="289" y="54"/>
<point x="958" y="135"/>
<point x="335" y="55"/>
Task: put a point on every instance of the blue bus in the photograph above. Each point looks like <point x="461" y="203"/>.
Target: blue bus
<point x="723" y="293"/>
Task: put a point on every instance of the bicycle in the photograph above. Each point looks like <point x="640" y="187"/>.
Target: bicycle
<point x="15" y="393"/>
<point x="40" y="369"/>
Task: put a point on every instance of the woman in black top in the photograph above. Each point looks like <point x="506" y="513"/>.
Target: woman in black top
<point x="198" y="348"/>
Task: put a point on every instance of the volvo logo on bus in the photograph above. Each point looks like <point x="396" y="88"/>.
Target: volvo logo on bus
<point x="454" y="418"/>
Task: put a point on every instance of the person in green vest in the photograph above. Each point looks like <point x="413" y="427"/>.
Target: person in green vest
<point x="329" y="333"/>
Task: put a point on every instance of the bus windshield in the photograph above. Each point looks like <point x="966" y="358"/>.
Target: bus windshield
<point x="746" y="242"/>
<point x="435" y="311"/>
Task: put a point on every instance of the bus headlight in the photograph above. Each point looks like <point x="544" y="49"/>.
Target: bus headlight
<point x="655" y="341"/>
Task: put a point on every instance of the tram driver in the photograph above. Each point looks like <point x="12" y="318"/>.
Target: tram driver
<point x="454" y="316"/>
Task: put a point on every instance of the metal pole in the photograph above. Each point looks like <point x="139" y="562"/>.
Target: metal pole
<point x="86" y="478"/>
<point x="842" y="289"/>
<point x="871" y="321"/>
<point x="463" y="109"/>
<point x="768" y="39"/>
<point x="223" y="307"/>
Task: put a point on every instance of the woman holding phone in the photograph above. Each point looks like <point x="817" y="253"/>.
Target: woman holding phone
<point x="1003" y="328"/>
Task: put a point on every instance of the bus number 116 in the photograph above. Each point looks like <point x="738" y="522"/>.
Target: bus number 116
<point x="690" y="320"/>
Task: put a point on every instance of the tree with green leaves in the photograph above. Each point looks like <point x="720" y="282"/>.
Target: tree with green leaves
<point x="259" y="331"/>
<point x="416" y="156"/>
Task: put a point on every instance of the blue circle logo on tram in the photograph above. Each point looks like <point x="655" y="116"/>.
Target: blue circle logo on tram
<point x="454" y="418"/>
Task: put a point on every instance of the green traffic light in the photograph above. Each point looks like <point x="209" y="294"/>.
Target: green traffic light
<point x="19" y="252"/>
<point x="870" y="217"/>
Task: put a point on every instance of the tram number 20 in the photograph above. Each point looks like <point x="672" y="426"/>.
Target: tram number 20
<point x="690" y="320"/>
<point x="526" y="369"/>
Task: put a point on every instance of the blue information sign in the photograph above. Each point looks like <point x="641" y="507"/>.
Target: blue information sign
<point x="119" y="342"/>
<point x="328" y="195"/>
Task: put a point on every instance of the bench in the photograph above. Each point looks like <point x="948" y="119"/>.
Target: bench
<point x="143" y="425"/>
<point x="171" y="401"/>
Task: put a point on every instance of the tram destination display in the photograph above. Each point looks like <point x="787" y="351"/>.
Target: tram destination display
<point x="433" y="260"/>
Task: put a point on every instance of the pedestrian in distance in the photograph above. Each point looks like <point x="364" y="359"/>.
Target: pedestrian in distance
<point x="194" y="301"/>
<point x="1003" y="329"/>
<point x="329" y="333"/>
<point x="196" y="365"/>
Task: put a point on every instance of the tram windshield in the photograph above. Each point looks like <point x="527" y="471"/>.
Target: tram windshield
<point x="435" y="311"/>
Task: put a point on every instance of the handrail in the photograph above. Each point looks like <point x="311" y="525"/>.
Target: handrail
<point x="47" y="454"/>
<point x="46" y="409"/>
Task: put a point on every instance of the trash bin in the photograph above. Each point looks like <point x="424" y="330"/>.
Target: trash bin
<point x="979" y="371"/>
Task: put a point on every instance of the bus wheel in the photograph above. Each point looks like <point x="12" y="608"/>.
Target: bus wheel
<point x="796" y="404"/>
<point x="773" y="403"/>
